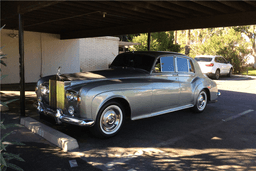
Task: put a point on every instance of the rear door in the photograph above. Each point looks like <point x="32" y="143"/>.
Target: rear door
<point x="225" y="66"/>
<point x="186" y="74"/>
<point x="220" y="64"/>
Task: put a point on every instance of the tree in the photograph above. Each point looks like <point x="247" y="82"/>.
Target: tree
<point x="228" y="43"/>
<point x="194" y="39"/>
<point x="250" y="33"/>
<point x="160" y="41"/>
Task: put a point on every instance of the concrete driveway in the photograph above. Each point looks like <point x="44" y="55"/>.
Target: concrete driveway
<point x="223" y="137"/>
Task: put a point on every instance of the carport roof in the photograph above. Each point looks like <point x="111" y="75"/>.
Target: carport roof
<point x="80" y="19"/>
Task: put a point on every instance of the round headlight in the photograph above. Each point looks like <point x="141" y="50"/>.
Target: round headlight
<point x="71" y="110"/>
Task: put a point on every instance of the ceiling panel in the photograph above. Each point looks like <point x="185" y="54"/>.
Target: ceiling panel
<point x="79" y="19"/>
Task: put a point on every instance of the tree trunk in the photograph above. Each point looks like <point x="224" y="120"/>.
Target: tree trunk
<point x="254" y="48"/>
<point x="188" y="38"/>
<point x="175" y="37"/>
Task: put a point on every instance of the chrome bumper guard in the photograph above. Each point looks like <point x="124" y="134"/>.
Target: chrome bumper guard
<point x="60" y="117"/>
<point x="215" y="101"/>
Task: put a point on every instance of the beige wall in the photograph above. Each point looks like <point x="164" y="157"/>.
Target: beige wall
<point x="44" y="53"/>
<point x="97" y="53"/>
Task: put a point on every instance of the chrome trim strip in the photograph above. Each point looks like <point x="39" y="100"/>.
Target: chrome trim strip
<point x="60" y="117"/>
<point x="163" y="112"/>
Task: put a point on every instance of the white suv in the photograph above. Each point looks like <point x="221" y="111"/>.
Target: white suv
<point x="214" y="66"/>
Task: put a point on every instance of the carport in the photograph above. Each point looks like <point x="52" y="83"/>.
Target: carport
<point x="81" y="19"/>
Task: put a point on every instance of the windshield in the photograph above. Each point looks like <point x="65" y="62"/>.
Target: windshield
<point x="203" y="59"/>
<point x="131" y="60"/>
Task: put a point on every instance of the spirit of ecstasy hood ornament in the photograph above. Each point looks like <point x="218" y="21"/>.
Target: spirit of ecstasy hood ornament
<point x="58" y="72"/>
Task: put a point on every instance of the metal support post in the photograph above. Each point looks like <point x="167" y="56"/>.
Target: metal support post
<point x="149" y="37"/>
<point x="21" y="60"/>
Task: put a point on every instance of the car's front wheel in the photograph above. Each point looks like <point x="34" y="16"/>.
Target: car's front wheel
<point x="201" y="102"/>
<point x="109" y="120"/>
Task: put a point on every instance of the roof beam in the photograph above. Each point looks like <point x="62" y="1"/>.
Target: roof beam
<point x="216" y="6"/>
<point x="239" y="5"/>
<point x="244" y="18"/>
<point x="155" y="9"/>
<point x="194" y="6"/>
<point x="34" y="6"/>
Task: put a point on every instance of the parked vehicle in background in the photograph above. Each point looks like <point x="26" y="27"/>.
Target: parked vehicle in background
<point x="137" y="85"/>
<point x="214" y="66"/>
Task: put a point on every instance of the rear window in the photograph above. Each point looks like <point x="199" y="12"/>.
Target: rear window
<point x="203" y="59"/>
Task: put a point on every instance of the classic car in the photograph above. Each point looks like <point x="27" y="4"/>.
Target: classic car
<point x="137" y="85"/>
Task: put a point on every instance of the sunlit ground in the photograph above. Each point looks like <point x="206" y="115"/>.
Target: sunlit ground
<point x="17" y="93"/>
<point x="167" y="158"/>
<point x="238" y="86"/>
<point x="175" y="158"/>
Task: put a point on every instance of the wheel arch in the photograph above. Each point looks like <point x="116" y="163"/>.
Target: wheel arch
<point x="199" y="88"/>
<point x="102" y="99"/>
<point x="124" y="104"/>
<point x="208" y="94"/>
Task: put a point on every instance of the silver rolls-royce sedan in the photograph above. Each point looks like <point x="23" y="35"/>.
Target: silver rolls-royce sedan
<point x="137" y="85"/>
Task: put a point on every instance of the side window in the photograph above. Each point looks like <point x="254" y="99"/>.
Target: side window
<point x="223" y="60"/>
<point x="191" y="66"/>
<point x="167" y="64"/>
<point x="182" y="64"/>
<point x="218" y="59"/>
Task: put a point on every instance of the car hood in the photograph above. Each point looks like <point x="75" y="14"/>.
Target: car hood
<point x="86" y="77"/>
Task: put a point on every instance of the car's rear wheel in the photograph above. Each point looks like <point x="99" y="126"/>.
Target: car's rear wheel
<point x="217" y="74"/>
<point x="109" y="120"/>
<point x="201" y="102"/>
<point x="230" y="73"/>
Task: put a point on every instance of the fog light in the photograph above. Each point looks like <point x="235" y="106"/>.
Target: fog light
<point x="71" y="110"/>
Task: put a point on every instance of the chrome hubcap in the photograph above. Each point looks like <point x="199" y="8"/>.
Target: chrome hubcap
<point x="111" y="119"/>
<point x="201" y="101"/>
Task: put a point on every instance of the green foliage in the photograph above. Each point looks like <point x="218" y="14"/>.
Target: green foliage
<point x="251" y="72"/>
<point x="228" y="43"/>
<point x="6" y="157"/>
<point x="160" y="41"/>
<point x="249" y="32"/>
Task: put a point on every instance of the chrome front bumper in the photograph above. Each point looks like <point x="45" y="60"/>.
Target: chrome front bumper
<point x="60" y="117"/>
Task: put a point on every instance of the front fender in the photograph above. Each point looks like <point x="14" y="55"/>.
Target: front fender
<point x="100" y="99"/>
